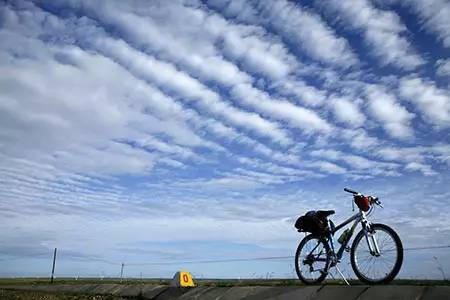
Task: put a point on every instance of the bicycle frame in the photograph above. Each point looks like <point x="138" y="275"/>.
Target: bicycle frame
<point x="360" y="217"/>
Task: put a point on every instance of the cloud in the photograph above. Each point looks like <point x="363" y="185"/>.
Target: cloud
<point x="443" y="67"/>
<point x="383" y="32"/>
<point x="299" y="26"/>
<point x="328" y="167"/>
<point x="168" y="77"/>
<point x="357" y="163"/>
<point x="248" y="46"/>
<point x="44" y="108"/>
<point x="418" y="154"/>
<point x="425" y="169"/>
<point x="190" y="50"/>
<point x="413" y="154"/>
<point x="296" y="116"/>
<point x="347" y="111"/>
<point x="434" y="16"/>
<point x="392" y="116"/>
<point x="306" y="94"/>
<point x="359" y="139"/>
<point x="430" y="100"/>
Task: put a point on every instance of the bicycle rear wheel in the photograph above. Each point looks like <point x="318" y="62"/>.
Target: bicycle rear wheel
<point x="312" y="259"/>
<point x="375" y="269"/>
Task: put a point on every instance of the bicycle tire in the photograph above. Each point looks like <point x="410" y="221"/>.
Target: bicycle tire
<point x="327" y="264"/>
<point x="396" y="266"/>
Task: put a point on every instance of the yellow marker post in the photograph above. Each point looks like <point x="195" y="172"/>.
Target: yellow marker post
<point x="183" y="279"/>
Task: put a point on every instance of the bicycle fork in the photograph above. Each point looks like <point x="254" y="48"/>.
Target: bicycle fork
<point x="370" y="236"/>
<point x="372" y="242"/>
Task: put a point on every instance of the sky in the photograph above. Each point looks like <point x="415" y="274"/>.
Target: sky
<point x="144" y="132"/>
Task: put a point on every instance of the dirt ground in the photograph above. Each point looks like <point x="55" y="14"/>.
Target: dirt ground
<point x="26" y="295"/>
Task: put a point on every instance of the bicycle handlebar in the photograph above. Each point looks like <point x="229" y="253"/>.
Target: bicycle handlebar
<point x="350" y="191"/>
<point x="373" y="200"/>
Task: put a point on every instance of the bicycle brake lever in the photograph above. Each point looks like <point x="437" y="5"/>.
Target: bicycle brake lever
<point x="378" y="202"/>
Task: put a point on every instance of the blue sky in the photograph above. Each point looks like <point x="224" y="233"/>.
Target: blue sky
<point x="167" y="131"/>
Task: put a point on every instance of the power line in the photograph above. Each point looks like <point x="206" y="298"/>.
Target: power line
<point x="212" y="261"/>
<point x="259" y="258"/>
<point x="235" y="259"/>
<point x="427" y="248"/>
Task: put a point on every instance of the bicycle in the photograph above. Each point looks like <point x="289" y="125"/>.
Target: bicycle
<point x="377" y="261"/>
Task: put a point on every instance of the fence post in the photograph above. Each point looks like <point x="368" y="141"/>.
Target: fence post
<point x="53" y="268"/>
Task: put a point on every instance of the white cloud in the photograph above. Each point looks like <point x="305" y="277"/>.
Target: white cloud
<point x="358" y="164"/>
<point x="443" y="67"/>
<point x="159" y="145"/>
<point x="307" y="30"/>
<point x="413" y="154"/>
<point x="327" y="154"/>
<point x="328" y="167"/>
<point x="259" y="56"/>
<point x="43" y="108"/>
<point x="168" y="77"/>
<point x="442" y="152"/>
<point x="347" y="111"/>
<point x="252" y="47"/>
<point x="295" y="116"/>
<point x="425" y="169"/>
<point x="418" y="158"/>
<point x="274" y="168"/>
<point x="180" y="41"/>
<point x="359" y="139"/>
<point x="431" y="101"/>
<point x="392" y="116"/>
<point x="305" y="94"/>
<point x="231" y="182"/>
<point x="434" y="15"/>
<point x="383" y="31"/>
<point x="256" y="51"/>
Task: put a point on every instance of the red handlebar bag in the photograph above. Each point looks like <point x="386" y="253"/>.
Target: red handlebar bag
<point x="362" y="202"/>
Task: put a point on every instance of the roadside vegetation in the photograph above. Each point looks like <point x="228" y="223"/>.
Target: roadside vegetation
<point x="28" y="295"/>
<point x="203" y="282"/>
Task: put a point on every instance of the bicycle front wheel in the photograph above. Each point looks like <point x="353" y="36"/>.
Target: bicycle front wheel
<point x="312" y="259"/>
<point x="376" y="268"/>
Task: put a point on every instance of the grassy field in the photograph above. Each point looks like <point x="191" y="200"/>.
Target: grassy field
<point x="202" y="282"/>
<point x="26" y="295"/>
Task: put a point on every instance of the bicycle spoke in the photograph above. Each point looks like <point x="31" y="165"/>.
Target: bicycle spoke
<point x="376" y="267"/>
<point x="312" y="260"/>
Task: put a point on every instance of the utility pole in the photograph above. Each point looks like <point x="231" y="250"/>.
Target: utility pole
<point x="121" y="272"/>
<point x="53" y="268"/>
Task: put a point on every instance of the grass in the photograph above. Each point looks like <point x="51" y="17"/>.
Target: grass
<point x="36" y="281"/>
<point x="203" y="282"/>
<point x="29" y="295"/>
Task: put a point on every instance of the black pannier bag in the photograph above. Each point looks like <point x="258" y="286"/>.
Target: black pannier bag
<point x="312" y="222"/>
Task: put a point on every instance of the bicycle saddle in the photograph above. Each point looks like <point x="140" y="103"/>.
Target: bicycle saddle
<point x="326" y="213"/>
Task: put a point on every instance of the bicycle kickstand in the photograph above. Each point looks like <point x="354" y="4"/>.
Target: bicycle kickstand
<point x="342" y="275"/>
